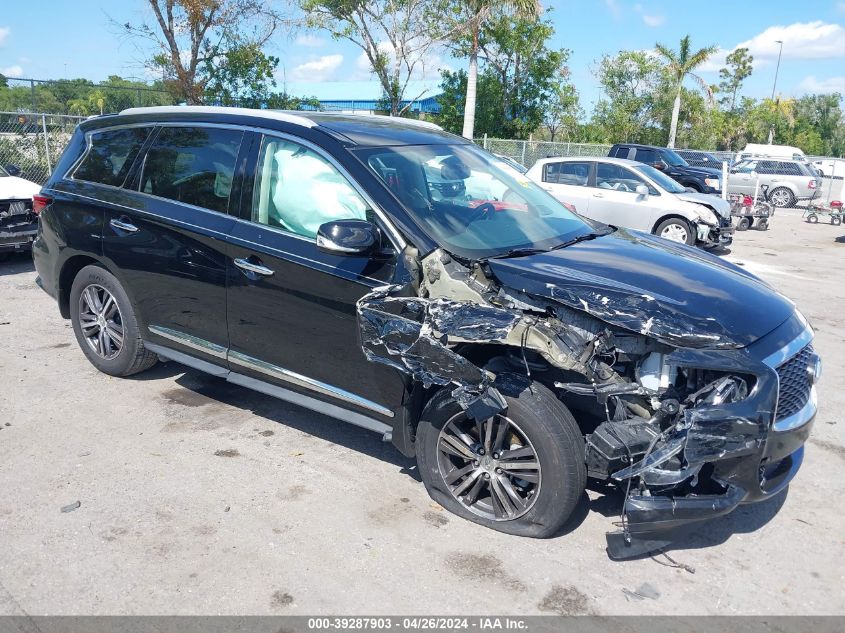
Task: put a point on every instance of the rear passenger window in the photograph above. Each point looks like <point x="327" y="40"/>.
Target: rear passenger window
<point x="567" y="173"/>
<point x="111" y="155"/>
<point x="194" y="165"/>
<point x="789" y="169"/>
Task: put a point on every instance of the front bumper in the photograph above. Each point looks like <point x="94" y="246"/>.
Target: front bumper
<point x="18" y="225"/>
<point x="721" y="235"/>
<point x="740" y="458"/>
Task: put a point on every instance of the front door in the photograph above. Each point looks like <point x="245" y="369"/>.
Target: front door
<point x="291" y="307"/>
<point x="615" y="200"/>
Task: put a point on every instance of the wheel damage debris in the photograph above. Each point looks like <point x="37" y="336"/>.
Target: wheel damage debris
<point x="657" y="422"/>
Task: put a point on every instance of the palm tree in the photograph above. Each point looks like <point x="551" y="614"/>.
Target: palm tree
<point x="679" y="65"/>
<point x="478" y="11"/>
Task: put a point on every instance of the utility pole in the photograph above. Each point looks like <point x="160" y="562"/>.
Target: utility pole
<point x="774" y="87"/>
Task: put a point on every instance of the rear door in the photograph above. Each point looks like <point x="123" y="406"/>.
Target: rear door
<point x="567" y="181"/>
<point x="166" y="237"/>
<point x="291" y="307"/>
<point x="614" y="199"/>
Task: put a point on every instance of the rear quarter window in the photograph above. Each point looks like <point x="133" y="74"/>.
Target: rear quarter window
<point x="110" y="155"/>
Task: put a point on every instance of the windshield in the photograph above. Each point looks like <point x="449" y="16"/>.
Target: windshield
<point x="472" y="203"/>
<point x="674" y="159"/>
<point x="660" y="178"/>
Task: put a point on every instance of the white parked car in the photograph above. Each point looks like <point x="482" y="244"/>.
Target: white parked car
<point x="634" y="195"/>
<point x="830" y="167"/>
<point x="18" y="224"/>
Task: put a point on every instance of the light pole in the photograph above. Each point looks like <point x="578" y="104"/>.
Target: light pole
<point x="774" y="87"/>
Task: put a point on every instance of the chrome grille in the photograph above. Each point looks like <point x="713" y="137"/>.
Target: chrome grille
<point x="795" y="383"/>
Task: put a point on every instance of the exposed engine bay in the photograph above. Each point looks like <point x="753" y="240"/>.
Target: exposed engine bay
<point x="654" y="425"/>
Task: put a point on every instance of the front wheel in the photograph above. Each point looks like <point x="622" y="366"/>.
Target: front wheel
<point x="520" y="472"/>
<point x="105" y="325"/>
<point x="676" y="230"/>
<point x="782" y="198"/>
<point x="743" y="224"/>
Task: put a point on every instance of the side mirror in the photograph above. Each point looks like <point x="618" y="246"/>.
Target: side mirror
<point x="659" y="165"/>
<point x="642" y="190"/>
<point x="348" y="237"/>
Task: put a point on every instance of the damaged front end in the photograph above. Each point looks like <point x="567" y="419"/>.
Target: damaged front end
<point x="681" y="417"/>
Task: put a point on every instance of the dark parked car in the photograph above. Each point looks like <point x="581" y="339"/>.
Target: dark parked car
<point x="700" y="179"/>
<point x="698" y="158"/>
<point x="512" y="346"/>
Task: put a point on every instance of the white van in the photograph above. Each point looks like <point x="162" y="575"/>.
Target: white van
<point x="759" y="150"/>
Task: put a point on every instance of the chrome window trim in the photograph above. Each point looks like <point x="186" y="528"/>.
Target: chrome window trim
<point x="394" y="235"/>
<point x="305" y="382"/>
<point x="188" y="340"/>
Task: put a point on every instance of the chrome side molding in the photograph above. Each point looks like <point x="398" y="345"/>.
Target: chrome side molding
<point x="188" y="340"/>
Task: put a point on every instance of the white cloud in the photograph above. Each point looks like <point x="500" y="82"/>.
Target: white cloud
<point x="12" y="71"/>
<point x="4" y="33"/>
<point x="320" y="69"/>
<point x="801" y="40"/>
<point x="823" y="86"/>
<point x="310" y="41"/>
<point x="649" y="19"/>
<point x="614" y="8"/>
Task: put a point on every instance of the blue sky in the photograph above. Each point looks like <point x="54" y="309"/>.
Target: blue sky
<point x="55" y="39"/>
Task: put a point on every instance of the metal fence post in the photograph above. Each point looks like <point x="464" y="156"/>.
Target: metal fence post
<point x="32" y="92"/>
<point x="524" y="143"/>
<point x="46" y="145"/>
<point x="485" y="140"/>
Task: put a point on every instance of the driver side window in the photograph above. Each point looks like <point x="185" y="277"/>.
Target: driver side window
<point x="617" y="178"/>
<point x="297" y="190"/>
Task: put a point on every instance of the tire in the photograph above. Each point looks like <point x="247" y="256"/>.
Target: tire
<point x="4" y="256"/>
<point x="536" y="422"/>
<point x="111" y="354"/>
<point x="813" y="218"/>
<point x="835" y="220"/>
<point x="677" y="227"/>
<point x="763" y="224"/>
<point x="744" y="224"/>
<point x="782" y="198"/>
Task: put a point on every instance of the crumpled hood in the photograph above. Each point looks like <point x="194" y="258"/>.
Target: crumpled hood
<point x="722" y="207"/>
<point x="677" y="294"/>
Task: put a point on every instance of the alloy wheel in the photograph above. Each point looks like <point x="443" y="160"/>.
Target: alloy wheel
<point x="489" y="466"/>
<point x="100" y="321"/>
<point x="781" y="198"/>
<point x="675" y="232"/>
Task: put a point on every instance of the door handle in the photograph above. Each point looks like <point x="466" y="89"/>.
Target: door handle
<point x="598" y="195"/>
<point x="251" y="267"/>
<point x="123" y="226"/>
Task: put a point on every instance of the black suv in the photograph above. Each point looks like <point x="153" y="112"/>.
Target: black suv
<point x="512" y="346"/>
<point x="701" y="179"/>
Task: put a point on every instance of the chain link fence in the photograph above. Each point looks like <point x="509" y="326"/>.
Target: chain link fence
<point x="528" y="152"/>
<point x="31" y="143"/>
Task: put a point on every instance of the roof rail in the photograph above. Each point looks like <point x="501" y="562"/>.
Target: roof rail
<point x="277" y="115"/>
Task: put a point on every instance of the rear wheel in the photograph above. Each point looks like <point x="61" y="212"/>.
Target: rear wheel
<point x="520" y="472"/>
<point x="677" y="230"/>
<point x="763" y="224"/>
<point x="782" y="197"/>
<point x="812" y="218"/>
<point x="835" y="220"/>
<point x="105" y="325"/>
<point x="743" y="224"/>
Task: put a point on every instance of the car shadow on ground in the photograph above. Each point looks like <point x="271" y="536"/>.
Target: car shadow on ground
<point x="210" y="388"/>
<point x="743" y="520"/>
<point x="16" y="263"/>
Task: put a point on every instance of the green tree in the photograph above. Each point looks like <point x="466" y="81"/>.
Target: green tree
<point x="740" y="65"/>
<point x="625" y="112"/>
<point x="190" y="36"/>
<point x="395" y="35"/>
<point x="679" y="65"/>
<point x="562" y="112"/>
<point x="241" y="76"/>
<point x="469" y="18"/>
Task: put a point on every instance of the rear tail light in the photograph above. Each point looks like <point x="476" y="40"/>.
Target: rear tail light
<point x="812" y="184"/>
<point x="39" y="203"/>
